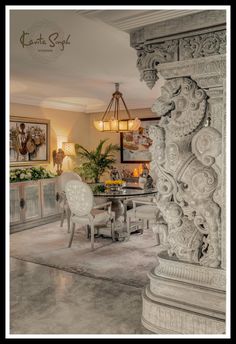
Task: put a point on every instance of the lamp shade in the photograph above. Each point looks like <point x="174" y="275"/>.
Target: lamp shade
<point x="69" y="148"/>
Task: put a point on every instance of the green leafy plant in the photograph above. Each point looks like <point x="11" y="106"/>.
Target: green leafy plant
<point x="31" y="173"/>
<point x="96" y="188"/>
<point x="95" y="162"/>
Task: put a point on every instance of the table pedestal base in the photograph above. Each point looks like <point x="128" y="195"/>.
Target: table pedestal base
<point x="120" y="230"/>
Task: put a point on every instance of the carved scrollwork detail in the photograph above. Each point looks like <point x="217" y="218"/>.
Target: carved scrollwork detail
<point x="164" y="185"/>
<point x="186" y="181"/>
<point x="183" y="237"/>
<point x="201" y="224"/>
<point x="204" y="182"/>
<point x="150" y="55"/>
<point x="206" y="145"/>
<point x="208" y="44"/>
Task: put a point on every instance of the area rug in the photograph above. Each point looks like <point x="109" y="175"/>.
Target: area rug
<point x="125" y="262"/>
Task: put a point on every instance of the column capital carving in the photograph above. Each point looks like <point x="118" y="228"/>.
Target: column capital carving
<point x="162" y="43"/>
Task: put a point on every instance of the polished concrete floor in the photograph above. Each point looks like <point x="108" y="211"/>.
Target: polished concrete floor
<point x="46" y="300"/>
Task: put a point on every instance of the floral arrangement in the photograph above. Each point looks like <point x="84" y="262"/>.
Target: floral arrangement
<point x="114" y="182"/>
<point x="31" y="173"/>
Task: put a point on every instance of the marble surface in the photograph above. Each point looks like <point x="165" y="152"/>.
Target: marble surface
<point x="46" y="300"/>
<point x="61" y="290"/>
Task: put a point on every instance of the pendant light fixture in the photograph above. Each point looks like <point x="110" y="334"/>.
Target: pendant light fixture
<point x="115" y="124"/>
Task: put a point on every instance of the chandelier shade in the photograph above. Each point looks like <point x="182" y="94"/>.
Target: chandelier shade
<point x="114" y="124"/>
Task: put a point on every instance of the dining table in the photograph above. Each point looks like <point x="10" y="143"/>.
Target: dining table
<point x="119" y="206"/>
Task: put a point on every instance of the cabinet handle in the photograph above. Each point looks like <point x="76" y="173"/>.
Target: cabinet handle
<point x="57" y="196"/>
<point x="22" y="203"/>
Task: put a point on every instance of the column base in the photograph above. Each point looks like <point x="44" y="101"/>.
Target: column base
<point x="184" y="298"/>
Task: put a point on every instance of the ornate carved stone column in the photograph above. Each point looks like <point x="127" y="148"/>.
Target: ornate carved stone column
<point x="186" y="293"/>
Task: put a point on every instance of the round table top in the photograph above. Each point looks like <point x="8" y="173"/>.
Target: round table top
<point x="126" y="192"/>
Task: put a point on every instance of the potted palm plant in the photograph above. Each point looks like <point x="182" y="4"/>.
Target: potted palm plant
<point x="95" y="162"/>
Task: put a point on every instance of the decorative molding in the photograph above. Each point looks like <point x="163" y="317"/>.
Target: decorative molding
<point x="212" y="43"/>
<point x="127" y="20"/>
<point x="209" y="66"/>
<point x="188" y="295"/>
<point x="157" y="316"/>
<point x="151" y="54"/>
<point x="190" y="24"/>
<point x="190" y="273"/>
<point x="210" y="80"/>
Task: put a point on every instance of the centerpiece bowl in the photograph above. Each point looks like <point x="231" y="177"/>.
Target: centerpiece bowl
<point x="114" y="185"/>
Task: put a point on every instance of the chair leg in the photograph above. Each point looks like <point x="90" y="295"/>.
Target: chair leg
<point x="72" y="234"/>
<point x="142" y="226"/>
<point x="147" y="224"/>
<point x="158" y="239"/>
<point x="125" y="211"/>
<point x="88" y="231"/>
<point x="144" y="223"/>
<point x="113" y="229"/>
<point x="128" y="225"/>
<point x="62" y="218"/>
<point x="68" y="213"/>
<point x="92" y="235"/>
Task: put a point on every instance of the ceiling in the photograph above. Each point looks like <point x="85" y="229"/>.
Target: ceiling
<point x="127" y="20"/>
<point x="81" y="76"/>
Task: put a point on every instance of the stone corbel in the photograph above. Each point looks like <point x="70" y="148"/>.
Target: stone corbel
<point x="150" y="55"/>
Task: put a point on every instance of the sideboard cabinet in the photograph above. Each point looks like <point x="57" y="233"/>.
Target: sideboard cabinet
<point x="33" y="203"/>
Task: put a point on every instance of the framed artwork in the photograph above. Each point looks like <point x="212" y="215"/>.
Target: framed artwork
<point x="135" y="145"/>
<point x="29" y="141"/>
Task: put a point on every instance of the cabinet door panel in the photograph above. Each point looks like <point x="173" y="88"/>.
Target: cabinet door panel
<point x="15" y="209"/>
<point x="49" y="202"/>
<point x="32" y="209"/>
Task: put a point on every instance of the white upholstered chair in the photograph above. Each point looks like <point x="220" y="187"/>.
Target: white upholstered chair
<point x="65" y="210"/>
<point x="144" y="210"/>
<point x="83" y="212"/>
